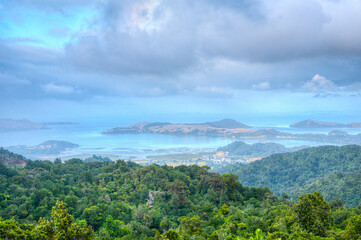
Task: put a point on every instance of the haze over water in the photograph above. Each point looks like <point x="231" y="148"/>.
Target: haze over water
<point x="87" y="134"/>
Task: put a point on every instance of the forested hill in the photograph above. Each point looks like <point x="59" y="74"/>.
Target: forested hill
<point x="11" y="159"/>
<point x="331" y="170"/>
<point x="122" y="200"/>
<point x="257" y="149"/>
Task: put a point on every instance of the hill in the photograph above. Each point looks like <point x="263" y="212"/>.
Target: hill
<point x="10" y="159"/>
<point x="227" y="123"/>
<point x="257" y="149"/>
<point x="302" y="171"/>
<point x="318" y="124"/>
<point x="344" y="185"/>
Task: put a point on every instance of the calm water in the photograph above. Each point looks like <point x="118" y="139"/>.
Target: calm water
<point x="88" y="135"/>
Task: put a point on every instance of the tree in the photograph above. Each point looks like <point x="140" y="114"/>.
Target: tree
<point x="179" y="191"/>
<point x="191" y="226"/>
<point x="171" y="235"/>
<point x="353" y="229"/>
<point x="284" y="196"/>
<point x="64" y="227"/>
<point x="93" y="216"/>
<point x="115" y="228"/>
<point x="223" y="211"/>
<point x="10" y="229"/>
<point x="232" y="185"/>
<point x="336" y="203"/>
<point x="313" y="213"/>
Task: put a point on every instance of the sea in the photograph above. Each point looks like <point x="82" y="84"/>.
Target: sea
<point x="87" y="134"/>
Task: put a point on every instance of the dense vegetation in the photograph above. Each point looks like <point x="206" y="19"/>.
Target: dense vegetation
<point x="11" y="159"/>
<point x="8" y="158"/>
<point x="257" y="149"/>
<point x="126" y="201"/>
<point x="333" y="171"/>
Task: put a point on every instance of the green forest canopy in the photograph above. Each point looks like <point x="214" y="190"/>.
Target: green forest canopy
<point x="333" y="171"/>
<point x="188" y="202"/>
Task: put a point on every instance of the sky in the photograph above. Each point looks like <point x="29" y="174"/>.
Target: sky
<point x="65" y="59"/>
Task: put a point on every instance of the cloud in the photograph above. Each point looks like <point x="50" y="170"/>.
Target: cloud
<point x="261" y="86"/>
<point x="207" y="47"/>
<point x="355" y="95"/>
<point x="9" y="79"/>
<point x="160" y="37"/>
<point x="319" y="84"/>
<point x="58" y="89"/>
<point x="60" y="32"/>
<point x="326" y="95"/>
<point x="354" y="87"/>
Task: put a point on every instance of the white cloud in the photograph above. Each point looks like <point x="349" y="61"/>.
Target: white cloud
<point x="261" y="86"/>
<point x="58" y="89"/>
<point x="320" y="84"/>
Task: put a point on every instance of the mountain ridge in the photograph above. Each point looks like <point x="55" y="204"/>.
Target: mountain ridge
<point x="290" y="172"/>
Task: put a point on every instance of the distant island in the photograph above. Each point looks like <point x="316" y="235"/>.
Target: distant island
<point x="229" y="128"/>
<point x="318" y="124"/>
<point x="60" y="123"/>
<point x="19" y="125"/>
<point x="223" y="127"/>
<point x="50" y="147"/>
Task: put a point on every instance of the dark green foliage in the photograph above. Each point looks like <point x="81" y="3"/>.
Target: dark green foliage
<point x="10" y="160"/>
<point x="5" y="153"/>
<point x="6" y="171"/>
<point x="333" y="171"/>
<point x="313" y="213"/>
<point x="96" y="158"/>
<point x="259" y="149"/>
<point x="342" y="185"/>
<point x="61" y="227"/>
<point x="188" y="202"/>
